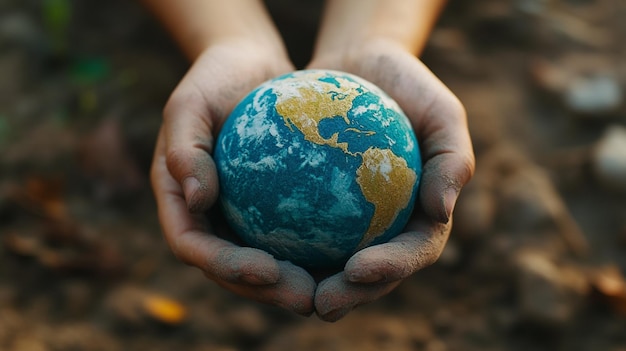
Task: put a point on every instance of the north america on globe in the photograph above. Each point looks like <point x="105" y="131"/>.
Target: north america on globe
<point x="315" y="165"/>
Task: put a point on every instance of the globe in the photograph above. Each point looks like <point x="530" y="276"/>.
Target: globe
<point x="315" y="165"/>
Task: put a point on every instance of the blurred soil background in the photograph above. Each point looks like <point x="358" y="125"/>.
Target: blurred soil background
<point x="536" y="260"/>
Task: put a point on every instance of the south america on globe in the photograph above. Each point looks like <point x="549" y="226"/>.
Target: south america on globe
<point x="315" y="165"/>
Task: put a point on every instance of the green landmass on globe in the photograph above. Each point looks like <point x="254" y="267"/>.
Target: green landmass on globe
<point x="315" y="165"/>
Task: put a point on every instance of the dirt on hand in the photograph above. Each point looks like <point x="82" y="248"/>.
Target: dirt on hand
<point x="536" y="259"/>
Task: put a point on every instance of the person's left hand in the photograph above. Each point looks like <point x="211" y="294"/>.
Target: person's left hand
<point x="439" y="121"/>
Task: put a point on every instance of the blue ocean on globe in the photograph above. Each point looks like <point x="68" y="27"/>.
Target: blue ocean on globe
<point x="315" y="165"/>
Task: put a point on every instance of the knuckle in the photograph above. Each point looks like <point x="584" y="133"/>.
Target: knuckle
<point x="176" y="159"/>
<point x="178" y="252"/>
<point x="468" y="166"/>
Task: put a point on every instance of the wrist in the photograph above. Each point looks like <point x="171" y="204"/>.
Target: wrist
<point x="270" y="59"/>
<point x="402" y="23"/>
<point x="196" y="25"/>
<point x="350" y="57"/>
<point x="252" y="45"/>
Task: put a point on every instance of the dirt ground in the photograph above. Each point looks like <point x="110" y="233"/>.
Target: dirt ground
<point x="536" y="260"/>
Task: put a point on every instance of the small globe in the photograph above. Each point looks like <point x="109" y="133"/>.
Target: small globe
<point x="315" y="165"/>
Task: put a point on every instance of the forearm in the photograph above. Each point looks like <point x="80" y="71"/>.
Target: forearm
<point x="347" y="23"/>
<point x="198" y="24"/>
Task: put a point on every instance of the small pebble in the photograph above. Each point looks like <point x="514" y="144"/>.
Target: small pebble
<point x="595" y="95"/>
<point x="609" y="159"/>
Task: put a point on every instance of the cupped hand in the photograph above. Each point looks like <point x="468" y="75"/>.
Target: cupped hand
<point x="185" y="183"/>
<point x="439" y="121"/>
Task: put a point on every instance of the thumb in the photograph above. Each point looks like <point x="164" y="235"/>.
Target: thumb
<point x="188" y="146"/>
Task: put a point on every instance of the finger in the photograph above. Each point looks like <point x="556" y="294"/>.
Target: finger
<point x="188" y="132"/>
<point x="448" y="155"/>
<point x="188" y="237"/>
<point x="293" y="291"/>
<point x="336" y="297"/>
<point x="442" y="179"/>
<point x="402" y="256"/>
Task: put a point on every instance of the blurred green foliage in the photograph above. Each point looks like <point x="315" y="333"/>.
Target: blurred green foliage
<point x="57" y="15"/>
<point x="90" y="70"/>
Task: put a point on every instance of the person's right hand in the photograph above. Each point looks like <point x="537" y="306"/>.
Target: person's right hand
<point x="185" y="182"/>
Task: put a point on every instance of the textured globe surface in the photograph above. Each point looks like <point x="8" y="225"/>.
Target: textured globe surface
<point x="315" y="165"/>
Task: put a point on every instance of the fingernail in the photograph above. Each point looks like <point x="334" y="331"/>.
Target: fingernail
<point x="367" y="278"/>
<point x="256" y="279"/>
<point x="191" y="185"/>
<point x="449" y="201"/>
<point x="337" y="314"/>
